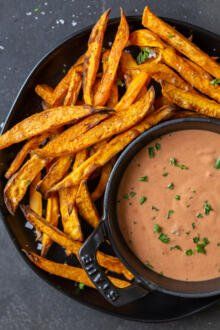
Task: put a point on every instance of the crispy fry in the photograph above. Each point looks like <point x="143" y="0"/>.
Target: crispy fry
<point x="35" y="198"/>
<point x="52" y="216"/>
<point x="55" y="173"/>
<point x="75" y="274"/>
<point x="191" y="101"/>
<point x="110" y="149"/>
<point x="45" y="92"/>
<point x="113" y="98"/>
<point x="85" y="205"/>
<point x="109" y="262"/>
<point x="121" y="39"/>
<point x="92" y="57"/>
<point x="133" y="90"/>
<point x="100" y="188"/>
<point x="45" y="121"/>
<point x="119" y="122"/>
<point x="128" y="65"/>
<point x="73" y="89"/>
<point x="69" y="214"/>
<point x="23" y="153"/>
<point x="196" y="77"/>
<point x="145" y="38"/>
<point x="18" y="184"/>
<point x="181" y="43"/>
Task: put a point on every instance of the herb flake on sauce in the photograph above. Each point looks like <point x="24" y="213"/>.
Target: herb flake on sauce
<point x="189" y="252"/>
<point x="207" y="208"/>
<point x="142" y="200"/>
<point x="143" y="178"/>
<point x="217" y="164"/>
<point x="174" y="162"/>
<point x="157" y="228"/>
<point x="164" y="238"/>
<point x="169" y="213"/>
<point x="170" y="186"/>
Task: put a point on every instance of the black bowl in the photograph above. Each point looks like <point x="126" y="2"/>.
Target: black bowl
<point x="154" y="307"/>
<point x="146" y="279"/>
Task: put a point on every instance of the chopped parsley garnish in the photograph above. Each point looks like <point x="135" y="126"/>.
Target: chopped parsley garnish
<point x="174" y="162"/>
<point x="120" y="83"/>
<point x="132" y="194"/>
<point x="142" y="200"/>
<point x="151" y="152"/>
<point x="207" y="208"/>
<point x="196" y="239"/>
<point x="155" y="208"/>
<point x="177" y="197"/>
<point x="199" y="215"/>
<point x="144" y="54"/>
<point x="215" y="82"/>
<point x="175" y="247"/>
<point x="217" y="164"/>
<point x="169" y="213"/>
<point x="164" y="238"/>
<point x="157" y="228"/>
<point x="193" y="225"/>
<point x="126" y="196"/>
<point x="200" y="245"/>
<point x="189" y="252"/>
<point x="165" y="173"/>
<point x="158" y="146"/>
<point x="81" y="286"/>
<point x="143" y="178"/>
<point x="170" y="186"/>
<point x="170" y="35"/>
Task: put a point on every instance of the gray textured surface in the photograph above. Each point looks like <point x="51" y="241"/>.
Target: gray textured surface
<point x="28" y="29"/>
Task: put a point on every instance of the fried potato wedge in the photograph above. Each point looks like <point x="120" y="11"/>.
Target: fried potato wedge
<point x="46" y="93"/>
<point x="75" y="274"/>
<point x="111" y="148"/>
<point x="45" y="121"/>
<point x="85" y="206"/>
<point x="69" y="213"/>
<point x="196" y="77"/>
<point x="55" y="173"/>
<point x="181" y="43"/>
<point x="121" y="39"/>
<point x="119" y="122"/>
<point x="145" y="38"/>
<point x="93" y="55"/>
<point x="109" y="262"/>
<point x="18" y="184"/>
<point x="133" y="90"/>
<point x="52" y="217"/>
<point x="100" y="188"/>
<point x="35" y="198"/>
<point x="191" y="101"/>
<point x="73" y="89"/>
<point x="30" y="145"/>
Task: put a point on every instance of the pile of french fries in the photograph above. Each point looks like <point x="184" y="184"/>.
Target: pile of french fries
<point x="105" y="101"/>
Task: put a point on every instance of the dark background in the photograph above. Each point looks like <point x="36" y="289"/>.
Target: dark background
<point x="28" y="30"/>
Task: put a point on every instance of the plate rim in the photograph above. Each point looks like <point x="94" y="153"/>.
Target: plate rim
<point x="40" y="273"/>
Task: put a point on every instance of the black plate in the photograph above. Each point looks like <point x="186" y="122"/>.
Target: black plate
<point x="155" y="307"/>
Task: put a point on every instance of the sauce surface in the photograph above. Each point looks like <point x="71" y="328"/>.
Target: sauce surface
<point x="169" y="205"/>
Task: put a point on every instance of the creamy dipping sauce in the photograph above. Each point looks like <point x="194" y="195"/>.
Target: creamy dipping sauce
<point x="169" y="205"/>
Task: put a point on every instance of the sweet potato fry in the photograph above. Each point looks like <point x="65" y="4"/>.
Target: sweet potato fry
<point x="18" y="184"/>
<point x="55" y="173"/>
<point x="196" y="77"/>
<point x="92" y="57"/>
<point x="113" y="98"/>
<point x="181" y="43"/>
<point x="52" y="216"/>
<point x="75" y="274"/>
<point x="133" y="90"/>
<point x="111" y="148"/>
<point x="109" y="262"/>
<point x="46" y="93"/>
<point x="119" y="122"/>
<point x="145" y="38"/>
<point x="121" y="39"/>
<point x="100" y="188"/>
<point x="45" y="121"/>
<point x="69" y="214"/>
<point x="85" y="205"/>
<point x="128" y="65"/>
<point x="35" y="198"/>
<point x="23" y="153"/>
<point x="73" y="89"/>
<point x="191" y="101"/>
